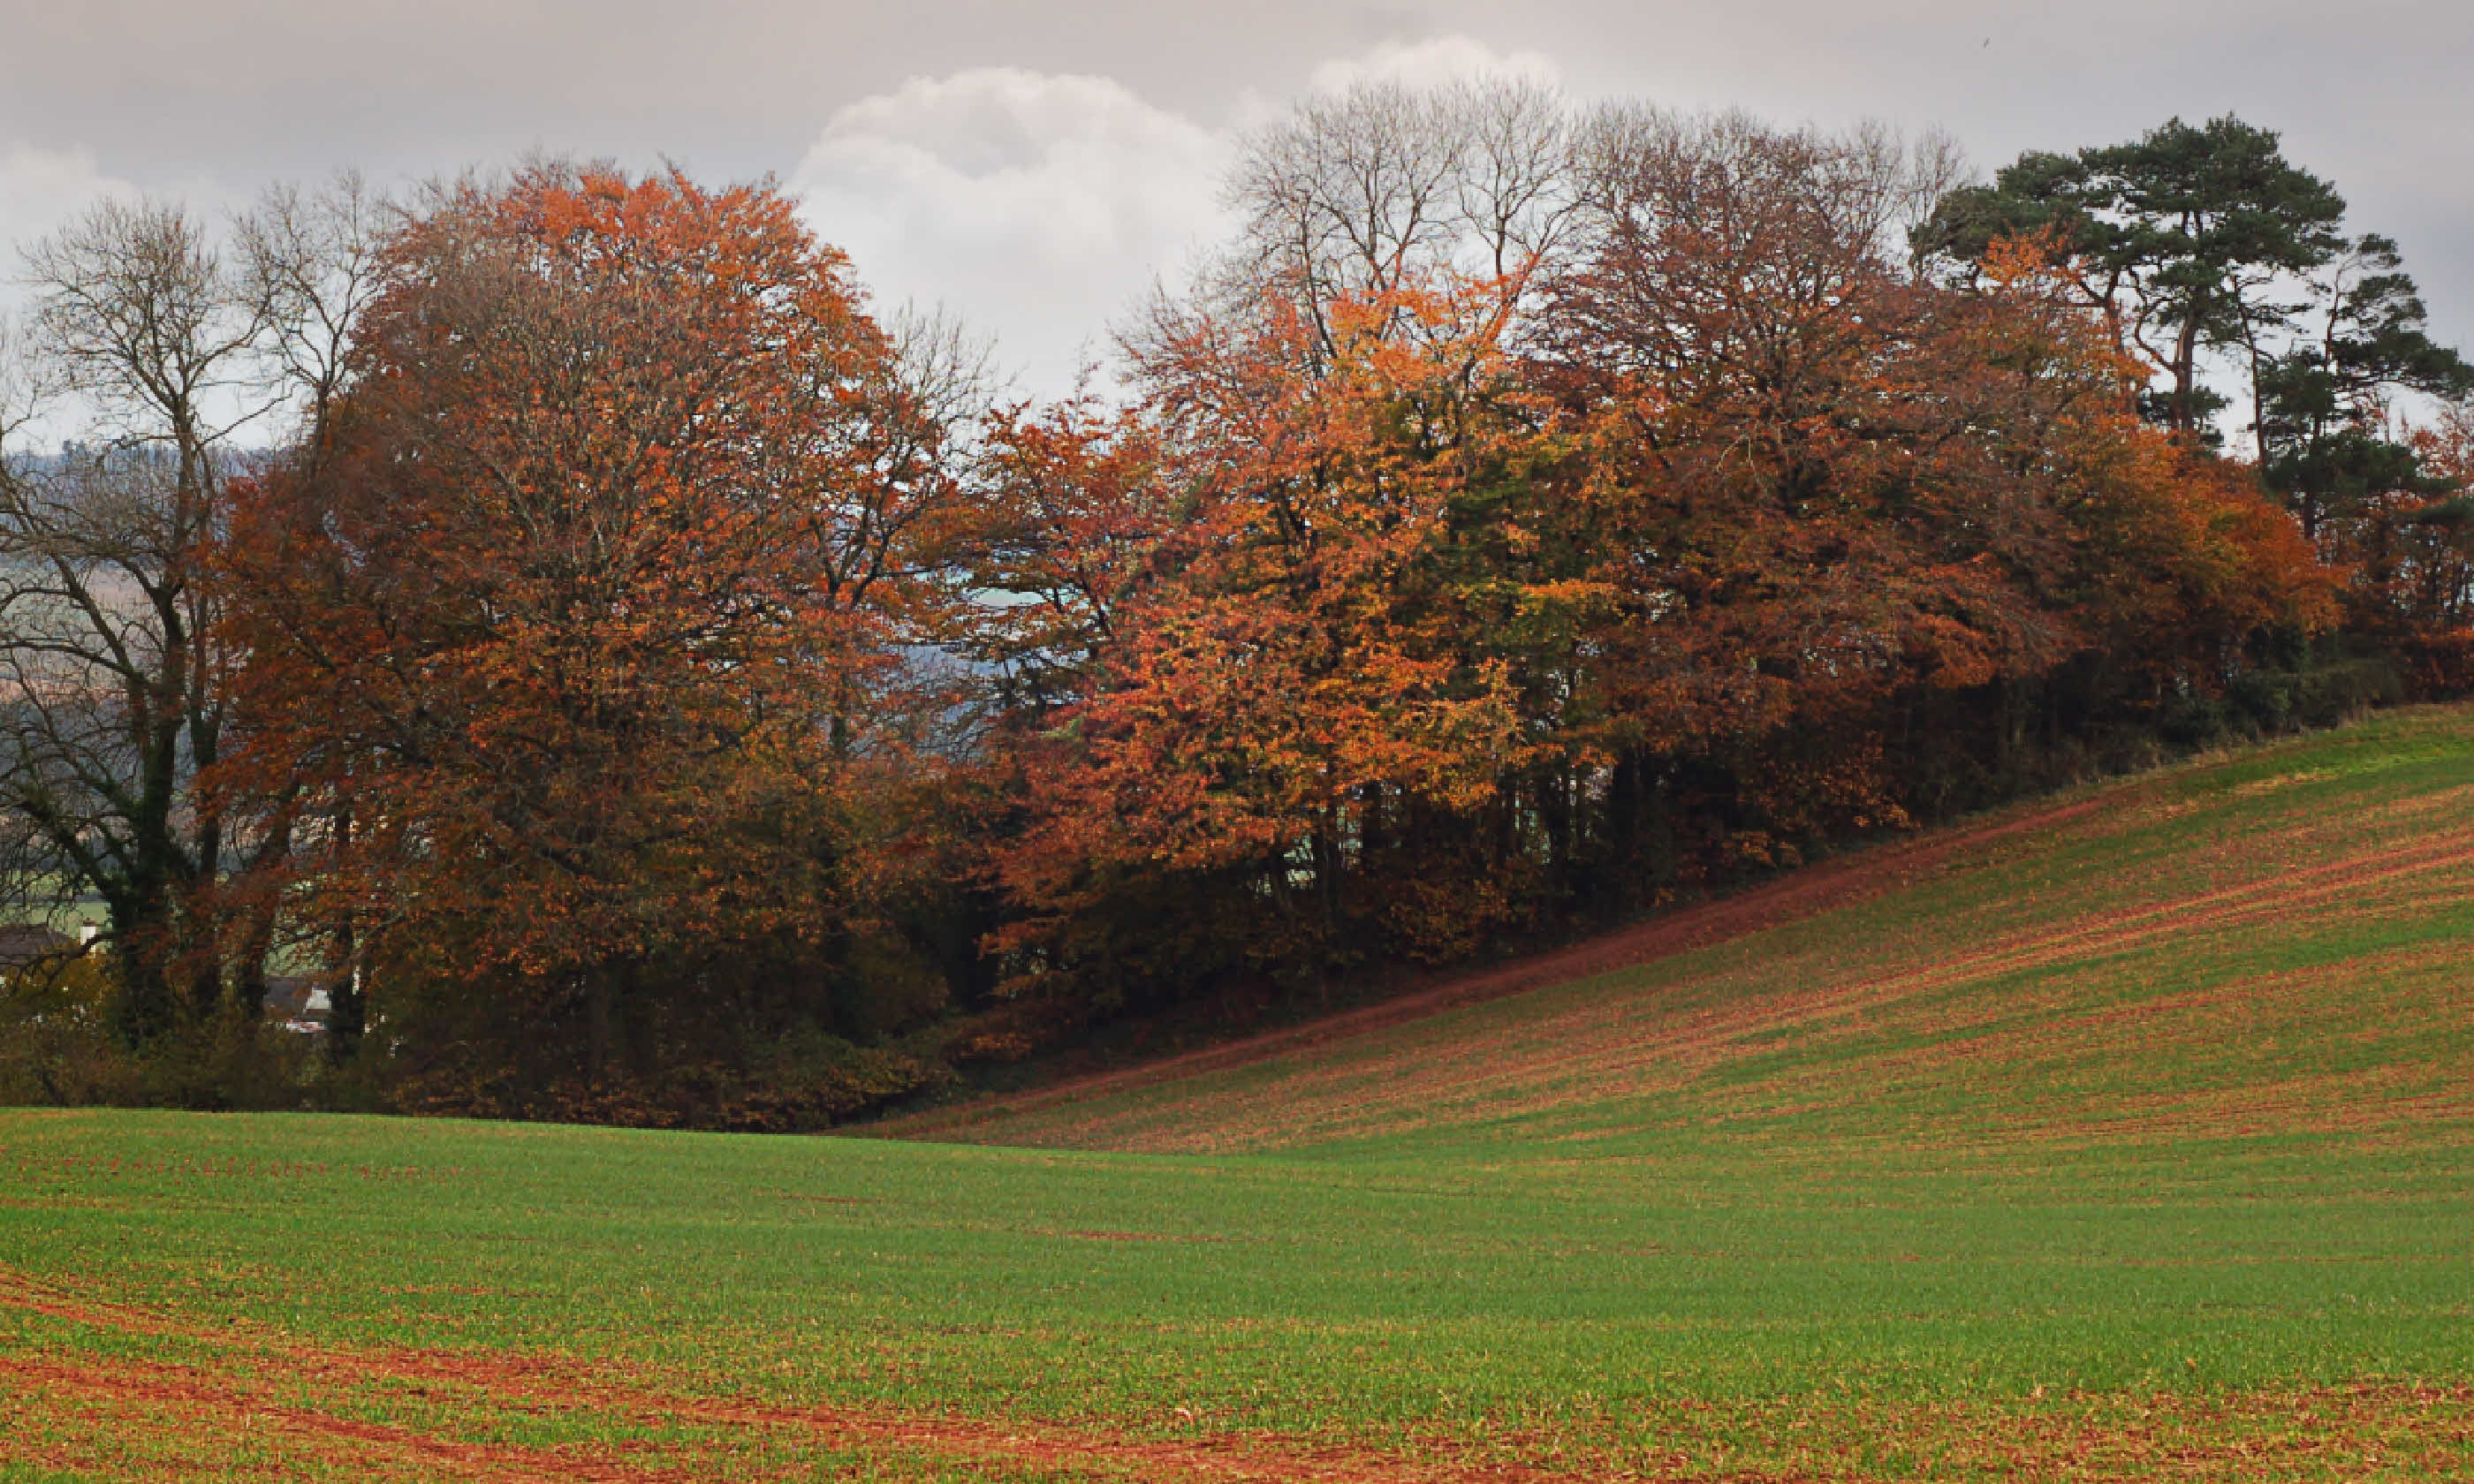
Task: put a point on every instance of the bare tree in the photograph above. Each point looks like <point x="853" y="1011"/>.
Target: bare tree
<point x="1517" y="188"/>
<point x="1643" y="166"/>
<point x="1717" y="252"/>
<point x="1385" y="186"/>
<point x="310" y="262"/>
<point x="163" y="356"/>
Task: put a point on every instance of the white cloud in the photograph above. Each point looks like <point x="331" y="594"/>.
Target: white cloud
<point x="41" y="189"/>
<point x="1037" y="208"/>
<point x="1434" y="62"/>
<point x="1040" y="207"/>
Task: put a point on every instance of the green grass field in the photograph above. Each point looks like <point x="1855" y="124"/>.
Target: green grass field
<point x="2129" y="1137"/>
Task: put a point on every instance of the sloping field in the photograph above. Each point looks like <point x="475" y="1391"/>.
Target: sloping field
<point x="2283" y="941"/>
<point x="2127" y="1136"/>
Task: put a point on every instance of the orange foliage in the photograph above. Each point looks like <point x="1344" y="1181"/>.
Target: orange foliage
<point x="1373" y="629"/>
<point x="1411" y="634"/>
<point x="582" y="644"/>
<point x="1300" y="654"/>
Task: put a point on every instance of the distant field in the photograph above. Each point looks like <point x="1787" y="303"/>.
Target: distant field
<point x="2128" y="1137"/>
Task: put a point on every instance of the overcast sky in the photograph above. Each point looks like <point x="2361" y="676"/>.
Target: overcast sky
<point x="1033" y="165"/>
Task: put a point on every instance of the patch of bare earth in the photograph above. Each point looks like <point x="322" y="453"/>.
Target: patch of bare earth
<point x="223" y="1425"/>
<point x="248" y="1391"/>
<point x="244" y="1415"/>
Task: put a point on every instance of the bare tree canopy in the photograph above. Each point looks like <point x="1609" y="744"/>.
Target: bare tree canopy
<point x="163" y="349"/>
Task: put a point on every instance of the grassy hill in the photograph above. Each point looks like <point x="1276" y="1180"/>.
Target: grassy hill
<point x="2127" y="1136"/>
<point x="2275" y="941"/>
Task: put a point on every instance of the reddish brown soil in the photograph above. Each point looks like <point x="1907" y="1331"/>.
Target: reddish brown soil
<point x="243" y="1416"/>
<point x="211" y="1413"/>
<point x="184" y="1396"/>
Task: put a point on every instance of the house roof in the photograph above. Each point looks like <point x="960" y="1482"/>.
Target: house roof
<point x="288" y="995"/>
<point x="23" y="942"/>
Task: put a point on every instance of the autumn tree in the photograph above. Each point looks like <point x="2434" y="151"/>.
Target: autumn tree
<point x="1816" y="480"/>
<point x="2441" y="565"/>
<point x="1298" y="681"/>
<point x="590" y="652"/>
<point x="1076" y="504"/>
<point x="1432" y="613"/>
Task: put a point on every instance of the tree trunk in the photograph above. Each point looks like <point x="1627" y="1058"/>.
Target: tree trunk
<point x="347" y="1014"/>
<point x="600" y="1017"/>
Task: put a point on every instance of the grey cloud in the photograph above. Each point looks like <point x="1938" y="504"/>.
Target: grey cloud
<point x="168" y="94"/>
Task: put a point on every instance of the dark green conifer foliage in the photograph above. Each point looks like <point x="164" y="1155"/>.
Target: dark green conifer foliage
<point x="2186" y="237"/>
<point x="2323" y="403"/>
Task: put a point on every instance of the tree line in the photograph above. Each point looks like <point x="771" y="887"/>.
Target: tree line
<point x="550" y="612"/>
